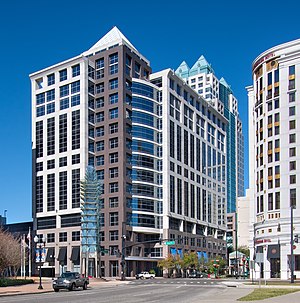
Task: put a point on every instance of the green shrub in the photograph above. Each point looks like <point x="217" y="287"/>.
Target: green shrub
<point x="152" y="271"/>
<point x="14" y="282"/>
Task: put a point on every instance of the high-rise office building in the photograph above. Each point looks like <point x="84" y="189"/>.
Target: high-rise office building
<point x="201" y="77"/>
<point x="273" y="160"/>
<point x="158" y="148"/>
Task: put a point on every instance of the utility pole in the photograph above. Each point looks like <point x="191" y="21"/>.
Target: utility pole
<point x="292" y="244"/>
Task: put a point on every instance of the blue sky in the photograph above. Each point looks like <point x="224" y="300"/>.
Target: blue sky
<point x="230" y="34"/>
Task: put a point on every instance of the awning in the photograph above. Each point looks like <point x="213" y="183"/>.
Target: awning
<point x="173" y="251"/>
<point x="273" y="251"/>
<point x="50" y="254"/>
<point x="75" y="253"/>
<point x="62" y="256"/>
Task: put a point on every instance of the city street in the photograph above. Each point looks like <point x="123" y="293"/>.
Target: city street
<point x="157" y="290"/>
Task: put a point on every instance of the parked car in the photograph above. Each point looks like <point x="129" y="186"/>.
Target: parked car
<point x="145" y="275"/>
<point x="197" y="274"/>
<point x="71" y="281"/>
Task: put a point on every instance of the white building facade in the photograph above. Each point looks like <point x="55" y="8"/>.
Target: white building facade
<point x="274" y="143"/>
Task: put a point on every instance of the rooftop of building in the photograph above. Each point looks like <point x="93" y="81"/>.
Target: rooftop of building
<point x="111" y="39"/>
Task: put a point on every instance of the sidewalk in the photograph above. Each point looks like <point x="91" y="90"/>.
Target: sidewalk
<point x="47" y="286"/>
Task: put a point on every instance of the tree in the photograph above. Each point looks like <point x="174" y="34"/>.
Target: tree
<point x="245" y="250"/>
<point x="10" y="254"/>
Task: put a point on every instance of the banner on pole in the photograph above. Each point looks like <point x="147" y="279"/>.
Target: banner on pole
<point x="40" y="255"/>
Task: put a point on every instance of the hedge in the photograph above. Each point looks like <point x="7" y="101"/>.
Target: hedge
<point x="14" y="282"/>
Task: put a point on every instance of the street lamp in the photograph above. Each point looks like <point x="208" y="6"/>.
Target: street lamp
<point x="40" y="244"/>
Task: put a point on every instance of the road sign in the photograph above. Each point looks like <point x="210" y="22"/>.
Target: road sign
<point x="170" y="242"/>
<point x="294" y="246"/>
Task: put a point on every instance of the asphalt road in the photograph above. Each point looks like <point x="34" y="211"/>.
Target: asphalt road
<point x="158" y="290"/>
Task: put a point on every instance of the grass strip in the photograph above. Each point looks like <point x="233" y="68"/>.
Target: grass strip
<point x="265" y="293"/>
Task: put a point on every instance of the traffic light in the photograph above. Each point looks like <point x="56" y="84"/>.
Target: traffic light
<point x="296" y="239"/>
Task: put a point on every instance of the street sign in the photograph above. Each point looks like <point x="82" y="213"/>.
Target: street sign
<point x="105" y="251"/>
<point x="170" y="242"/>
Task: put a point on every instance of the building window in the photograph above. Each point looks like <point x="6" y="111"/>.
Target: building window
<point x="51" y="238"/>
<point x="99" y="102"/>
<point x="63" y="162"/>
<point x="63" y="237"/>
<point x="113" y="202"/>
<point x="75" y="188"/>
<point x="292" y="97"/>
<point x="76" y="159"/>
<point x="100" y="145"/>
<point x="50" y="192"/>
<point x="100" y="131"/>
<point x="292" y="165"/>
<point x="100" y="160"/>
<point x="63" y="190"/>
<point x="113" y="113"/>
<point x="293" y="197"/>
<point x="113" y="99"/>
<point x="100" y="88"/>
<point x="63" y="75"/>
<point x="113" y="158"/>
<point x="293" y="179"/>
<point x="50" y="95"/>
<point x="113" y="83"/>
<point x="50" y="136"/>
<point x="39" y="194"/>
<point x="99" y="117"/>
<point x="113" y="172"/>
<point x="64" y="91"/>
<point x="76" y="235"/>
<point x="113" y="128"/>
<point x="75" y="87"/>
<point x="75" y="129"/>
<point x="292" y="151"/>
<point x="63" y="135"/>
<point x="292" y="138"/>
<point x="51" y="79"/>
<point x="64" y="103"/>
<point x="75" y="70"/>
<point x="114" y="235"/>
<point x="113" y="219"/>
<point x="113" y="187"/>
<point x="75" y="100"/>
<point x="113" y="142"/>
<point x="292" y="124"/>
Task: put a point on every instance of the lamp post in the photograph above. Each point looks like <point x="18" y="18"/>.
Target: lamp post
<point x="40" y="244"/>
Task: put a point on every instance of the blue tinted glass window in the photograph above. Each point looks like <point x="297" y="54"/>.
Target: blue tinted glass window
<point x="40" y="98"/>
<point x="75" y="70"/>
<point x="75" y="87"/>
<point x="51" y="108"/>
<point x="142" y="89"/>
<point x="113" y="69"/>
<point x="143" y="147"/>
<point x="142" y="118"/>
<point x="64" y="90"/>
<point x="75" y="100"/>
<point x="143" y="104"/>
<point x="113" y="113"/>
<point x="40" y="111"/>
<point x="51" y="79"/>
<point x="113" y="58"/>
<point x="63" y="75"/>
<point x="51" y="95"/>
<point x="142" y="132"/>
<point x="100" y="63"/>
<point x="113" y="83"/>
<point x="113" y="98"/>
<point x="64" y="103"/>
